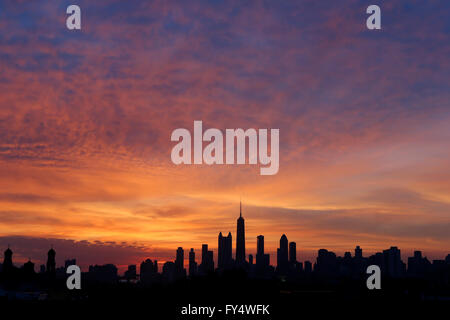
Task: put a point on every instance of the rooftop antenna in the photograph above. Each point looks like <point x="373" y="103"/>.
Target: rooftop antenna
<point x="240" y="207"/>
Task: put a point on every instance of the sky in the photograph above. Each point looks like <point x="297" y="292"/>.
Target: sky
<point x="86" y="118"/>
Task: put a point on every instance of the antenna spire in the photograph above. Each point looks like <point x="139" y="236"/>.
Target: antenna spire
<point x="240" y="208"/>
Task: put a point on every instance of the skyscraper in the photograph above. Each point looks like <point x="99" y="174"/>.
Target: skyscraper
<point x="308" y="267"/>
<point x="262" y="259"/>
<point x="292" y="252"/>
<point x="240" y="238"/>
<point x="260" y="250"/>
<point x="204" y="254"/>
<point x="417" y="265"/>
<point x="148" y="271"/>
<point x="51" y="261"/>
<point x="392" y="262"/>
<point x="326" y="263"/>
<point x="282" y="254"/>
<point x="358" y="252"/>
<point x="192" y="263"/>
<point x="225" y="251"/>
<point x="260" y="245"/>
<point x="207" y="264"/>
<point x="180" y="272"/>
<point x="179" y="262"/>
<point x="131" y="273"/>
<point x="359" y="264"/>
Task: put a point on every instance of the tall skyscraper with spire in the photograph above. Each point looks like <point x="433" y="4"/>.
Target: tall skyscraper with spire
<point x="240" y="238"/>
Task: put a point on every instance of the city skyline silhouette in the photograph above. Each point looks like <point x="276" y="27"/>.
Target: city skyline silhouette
<point x="282" y="284"/>
<point x="286" y="259"/>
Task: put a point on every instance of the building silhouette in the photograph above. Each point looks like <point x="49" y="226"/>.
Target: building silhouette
<point x="359" y="262"/>
<point x="240" y="238"/>
<point x="180" y="272"/>
<point x="328" y="268"/>
<point x="260" y="250"/>
<point x="106" y="273"/>
<point x="308" y="267"/>
<point x="224" y="257"/>
<point x="358" y="252"/>
<point x="292" y="253"/>
<point x="262" y="259"/>
<point x="51" y="262"/>
<point x="207" y="264"/>
<point x="70" y="262"/>
<point x="131" y="273"/>
<point x="376" y="259"/>
<point x="7" y="265"/>
<point x="418" y="266"/>
<point x="179" y="261"/>
<point x="392" y="263"/>
<point x="168" y="271"/>
<point x="28" y="268"/>
<point x="282" y="255"/>
<point x="148" y="271"/>
<point x="326" y="263"/>
<point x="192" y="264"/>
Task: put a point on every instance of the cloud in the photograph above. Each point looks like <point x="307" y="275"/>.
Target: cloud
<point x="27" y="217"/>
<point x="408" y="201"/>
<point x="26" y="198"/>
<point x="354" y="223"/>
